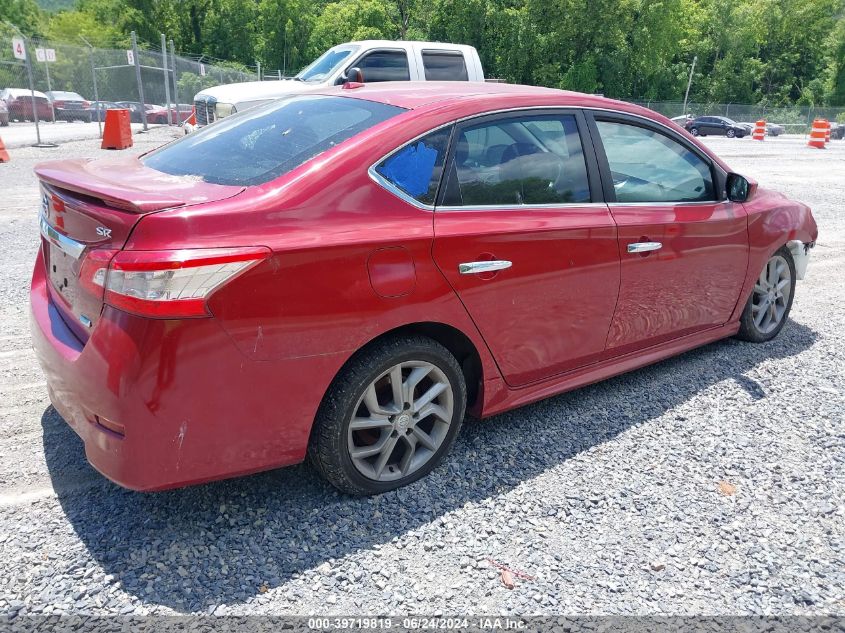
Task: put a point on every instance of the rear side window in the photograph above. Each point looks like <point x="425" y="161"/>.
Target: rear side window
<point x="262" y="143"/>
<point x="648" y="166"/>
<point x="444" y="66"/>
<point x="522" y="160"/>
<point x="384" y="66"/>
<point x="415" y="169"/>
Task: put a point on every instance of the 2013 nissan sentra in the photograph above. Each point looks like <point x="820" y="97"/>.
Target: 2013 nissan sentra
<point x="344" y="274"/>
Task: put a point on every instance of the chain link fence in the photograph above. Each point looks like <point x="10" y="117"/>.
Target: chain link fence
<point x="165" y="82"/>
<point x="796" y="119"/>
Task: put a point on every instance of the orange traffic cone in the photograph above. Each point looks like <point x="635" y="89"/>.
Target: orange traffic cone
<point x="192" y="120"/>
<point x="4" y="155"/>
<point x="826" y="131"/>
<point x="817" y="134"/>
<point x="117" y="132"/>
<point x="759" y="130"/>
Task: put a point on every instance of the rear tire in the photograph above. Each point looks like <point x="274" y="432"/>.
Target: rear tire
<point x="768" y="307"/>
<point x="414" y="429"/>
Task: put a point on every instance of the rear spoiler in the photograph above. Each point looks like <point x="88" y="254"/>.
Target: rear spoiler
<point x="71" y="176"/>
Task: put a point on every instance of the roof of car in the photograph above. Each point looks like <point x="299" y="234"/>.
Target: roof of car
<point x="22" y="92"/>
<point x="417" y="94"/>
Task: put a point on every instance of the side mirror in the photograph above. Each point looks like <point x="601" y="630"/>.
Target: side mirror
<point x="355" y="75"/>
<point x="738" y="188"/>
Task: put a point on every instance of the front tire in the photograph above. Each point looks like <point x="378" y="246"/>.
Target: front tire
<point x="730" y="133"/>
<point x="694" y="131"/>
<point x="389" y="417"/>
<point x="770" y="302"/>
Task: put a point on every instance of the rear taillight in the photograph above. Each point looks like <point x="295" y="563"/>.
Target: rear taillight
<point x="172" y="284"/>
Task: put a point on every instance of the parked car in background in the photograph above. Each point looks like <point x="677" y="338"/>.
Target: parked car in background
<point x="181" y="112"/>
<point x="4" y="114"/>
<point x="19" y="103"/>
<point x="97" y="109"/>
<point x="378" y="60"/>
<point x="716" y="126"/>
<point x="344" y="273"/>
<point x="772" y="129"/>
<point x="69" y="106"/>
<point x="683" y="119"/>
<point x="837" y="130"/>
<point x="138" y="112"/>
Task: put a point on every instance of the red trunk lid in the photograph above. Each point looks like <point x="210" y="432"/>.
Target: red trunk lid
<point x="88" y="210"/>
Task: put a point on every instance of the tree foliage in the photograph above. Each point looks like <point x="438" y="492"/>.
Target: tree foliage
<point x="751" y="51"/>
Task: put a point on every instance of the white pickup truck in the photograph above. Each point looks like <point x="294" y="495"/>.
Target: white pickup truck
<point x="378" y="60"/>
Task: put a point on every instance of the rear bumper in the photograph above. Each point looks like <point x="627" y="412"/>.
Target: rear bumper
<point x="191" y="407"/>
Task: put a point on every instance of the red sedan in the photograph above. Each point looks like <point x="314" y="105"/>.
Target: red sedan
<point x="344" y="274"/>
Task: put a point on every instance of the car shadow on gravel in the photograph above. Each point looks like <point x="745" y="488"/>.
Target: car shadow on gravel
<point x="226" y="542"/>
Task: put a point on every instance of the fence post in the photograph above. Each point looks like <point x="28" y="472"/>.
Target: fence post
<point x="98" y="110"/>
<point x="49" y="87"/>
<point x="175" y="83"/>
<point x="27" y="48"/>
<point x="166" y="79"/>
<point x="138" y="79"/>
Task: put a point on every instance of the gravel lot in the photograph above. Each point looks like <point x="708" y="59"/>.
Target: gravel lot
<point x="22" y="134"/>
<point x="711" y="483"/>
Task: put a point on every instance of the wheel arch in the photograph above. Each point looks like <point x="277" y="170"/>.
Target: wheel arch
<point x="457" y="342"/>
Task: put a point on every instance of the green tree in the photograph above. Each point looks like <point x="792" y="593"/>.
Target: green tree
<point x="349" y="20"/>
<point x="24" y="14"/>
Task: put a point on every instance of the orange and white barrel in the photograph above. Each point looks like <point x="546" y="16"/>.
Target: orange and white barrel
<point x="826" y="131"/>
<point x="759" y="132"/>
<point x="817" y="134"/>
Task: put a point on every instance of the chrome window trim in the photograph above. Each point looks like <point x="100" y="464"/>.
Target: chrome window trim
<point x="516" y="207"/>
<point x="66" y="244"/>
<point x="385" y="184"/>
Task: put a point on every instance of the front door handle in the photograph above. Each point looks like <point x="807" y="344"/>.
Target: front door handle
<point x="473" y="268"/>
<point x="644" y="247"/>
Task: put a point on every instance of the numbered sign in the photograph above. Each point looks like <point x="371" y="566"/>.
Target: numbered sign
<point x="18" y="48"/>
<point x="45" y="54"/>
<point x="130" y="57"/>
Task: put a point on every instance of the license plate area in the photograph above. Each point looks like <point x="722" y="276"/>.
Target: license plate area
<point x="63" y="271"/>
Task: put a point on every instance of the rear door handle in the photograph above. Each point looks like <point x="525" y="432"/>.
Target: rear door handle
<point x="473" y="268"/>
<point x="644" y="247"/>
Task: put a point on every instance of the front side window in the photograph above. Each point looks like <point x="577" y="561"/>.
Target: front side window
<point x="416" y="168"/>
<point x="648" y="166"/>
<point x="519" y="161"/>
<point x="384" y="66"/>
<point x="262" y="143"/>
<point x="444" y="66"/>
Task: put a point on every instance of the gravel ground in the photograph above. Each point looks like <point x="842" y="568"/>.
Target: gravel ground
<point x="22" y="133"/>
<point x="711" y="483"/>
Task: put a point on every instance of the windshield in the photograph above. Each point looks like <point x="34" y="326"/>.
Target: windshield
<point x="262" y="143"/>
<point x="323" y="67"/>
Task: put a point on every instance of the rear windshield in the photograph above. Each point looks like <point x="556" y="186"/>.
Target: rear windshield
<point x="262" y="143"/>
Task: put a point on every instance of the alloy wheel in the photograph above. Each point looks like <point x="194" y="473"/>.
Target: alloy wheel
<point x="400" y="421"/>
<point x="770" y="298"/>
